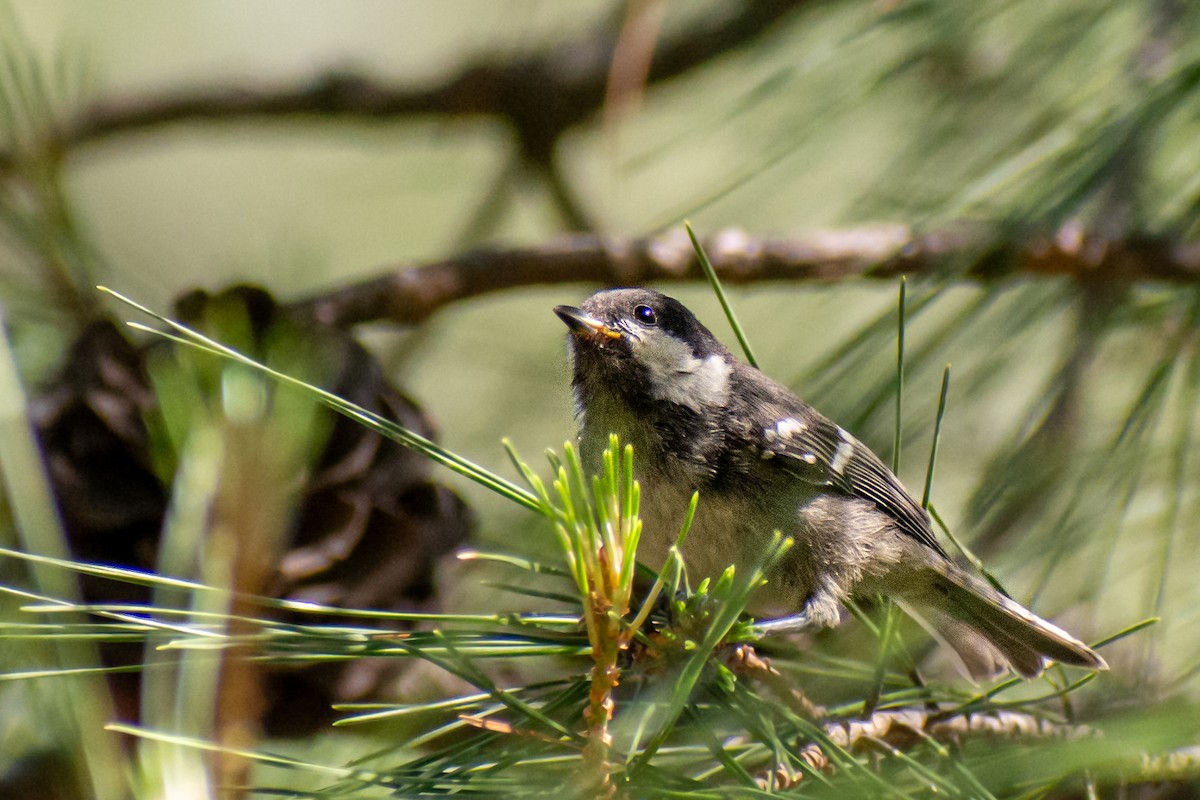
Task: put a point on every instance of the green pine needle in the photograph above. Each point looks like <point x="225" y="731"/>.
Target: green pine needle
<point x="715" y="282"/>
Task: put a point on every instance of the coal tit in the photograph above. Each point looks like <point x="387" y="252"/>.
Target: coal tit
<point x="762" y="460"/>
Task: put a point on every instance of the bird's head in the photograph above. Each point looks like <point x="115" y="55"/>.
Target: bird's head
<point x="645" y="346"/>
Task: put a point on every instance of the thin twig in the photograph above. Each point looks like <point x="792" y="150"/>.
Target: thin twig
<point x="744" y="660"/>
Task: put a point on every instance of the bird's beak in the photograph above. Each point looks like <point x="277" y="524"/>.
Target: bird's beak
<point x="584" y="324"/>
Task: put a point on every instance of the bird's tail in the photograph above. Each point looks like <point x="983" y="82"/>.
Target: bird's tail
<point x="989" y="631"/>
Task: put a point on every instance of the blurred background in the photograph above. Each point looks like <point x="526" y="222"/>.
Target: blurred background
<point x="1032" y="166"/>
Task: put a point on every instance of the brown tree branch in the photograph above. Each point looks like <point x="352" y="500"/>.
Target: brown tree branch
<point x="542" y="95"/>
<point x="410" y="294"/>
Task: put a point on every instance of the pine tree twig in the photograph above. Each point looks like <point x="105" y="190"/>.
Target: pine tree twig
<point x="745" y="661"/>
<point x="901" y="730"/>
<point x="411" y="294"/>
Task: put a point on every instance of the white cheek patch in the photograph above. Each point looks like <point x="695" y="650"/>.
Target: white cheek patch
<point x="677" y="376"/>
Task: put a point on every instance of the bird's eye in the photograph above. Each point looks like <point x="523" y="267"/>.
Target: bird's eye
<point x="645" y="315"/>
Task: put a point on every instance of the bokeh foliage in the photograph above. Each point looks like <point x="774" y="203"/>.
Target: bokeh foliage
<point x="1067" y="455"/>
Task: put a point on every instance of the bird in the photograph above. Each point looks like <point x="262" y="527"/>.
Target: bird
<point x="645" y="369"/>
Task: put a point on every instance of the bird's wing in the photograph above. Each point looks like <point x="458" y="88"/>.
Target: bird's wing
<point x="819" y="452"/>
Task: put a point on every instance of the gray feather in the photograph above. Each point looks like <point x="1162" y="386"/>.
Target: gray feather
<point x="964" y="609"/>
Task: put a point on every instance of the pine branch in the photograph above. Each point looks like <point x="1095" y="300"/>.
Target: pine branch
<point x="901" y="730"/>
<point x="410" y="294"/>
<point x="898" y="731"/>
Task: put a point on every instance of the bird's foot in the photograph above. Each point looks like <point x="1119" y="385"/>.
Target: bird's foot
<point x="792" y="624"/>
